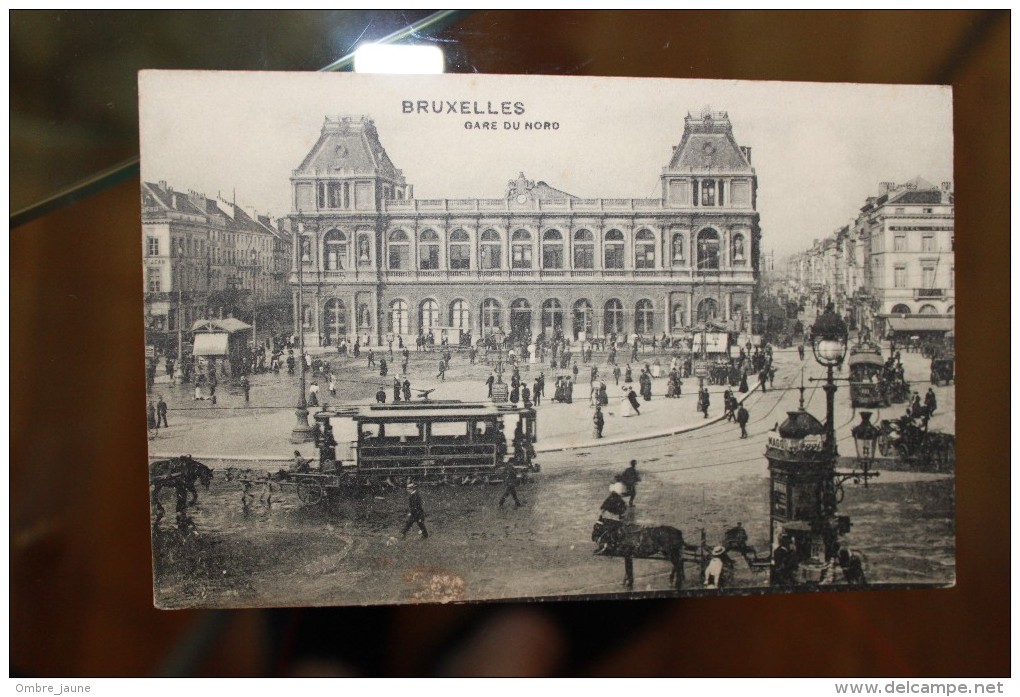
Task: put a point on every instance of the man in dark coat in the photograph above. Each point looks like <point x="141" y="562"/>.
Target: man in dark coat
<point x="539" y="388"/>
<point x="929" y="401"/>
<point x="611" y="516"/>
<point x="703" y="401"/>
<point x="407" y="390"/>
<point x="599" y="422"/>
<point x="488" y="383"/>
<point x="784" y="563"/>
<point x="161" y="413"/>
<point x="630" y="479"/>
<point x="510" y="484"/>
<point x="742" y="418"/>
<point x="415" y="511"/>
<point x="632" y="398"/>
<point x="396" y="390"/>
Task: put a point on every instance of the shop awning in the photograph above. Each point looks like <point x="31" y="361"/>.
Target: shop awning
<point x="227" y="324"/>
<point x="210" y="344"/>
<point x="921" y="324"/>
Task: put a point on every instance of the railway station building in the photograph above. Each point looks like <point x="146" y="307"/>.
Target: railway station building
<point x="376" y="262"/>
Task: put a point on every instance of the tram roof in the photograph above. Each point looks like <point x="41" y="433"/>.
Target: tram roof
<point x="435" y="411"/>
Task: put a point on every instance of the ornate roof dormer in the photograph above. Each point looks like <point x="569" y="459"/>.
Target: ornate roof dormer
<point x="708" y="146"/>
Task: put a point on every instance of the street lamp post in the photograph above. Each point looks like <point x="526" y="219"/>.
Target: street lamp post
<point x="254" y="298"/>
<point x="302" y="432"/>
<point x="180" y="306"/>
<point x="829" y="338"/>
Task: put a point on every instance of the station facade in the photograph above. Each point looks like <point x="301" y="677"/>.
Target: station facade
<point x="376" y="262"/>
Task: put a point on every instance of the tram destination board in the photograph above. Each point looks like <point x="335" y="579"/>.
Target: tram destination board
<point x="468" y="338"/>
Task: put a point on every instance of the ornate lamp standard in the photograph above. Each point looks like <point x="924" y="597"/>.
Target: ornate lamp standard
<point x="180" y="306"/>
<point x="829" y="339"/>
<point x="302" y="432"/>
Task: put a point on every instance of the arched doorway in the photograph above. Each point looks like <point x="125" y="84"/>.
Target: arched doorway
<point x="334" y="321"/>
<point x="582" y="319"/>
<point x="552" y="317"/>
<point x="520" y="320"/>
<point x="708" y="309"/>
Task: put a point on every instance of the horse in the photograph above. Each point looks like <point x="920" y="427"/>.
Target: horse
<point x="644" y="543"/>
<point x="179" y="473"/>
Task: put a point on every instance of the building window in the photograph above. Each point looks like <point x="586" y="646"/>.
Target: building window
<point x="739" y="253"/>
<point x="153" y="280"/>
<point x="584" y="250"/>
<point x="520" y="319"/>
<point x="552" y="316"/>
<point x="582" y="318"/>
<point x="900" y="211"/>
<point x="552" y="250"/>
<point x="900" y="243"/>
<point x="708" y="192"/>
<point x="428" y="317"/>
<point x="613" y="317"/>
<point x="492" y="250"/>
<point x="399" y="251"/>
<point x="152" y="246"/>
<point x="928" y="277"/>
<point x="928" y="210"/>
<point x="398" y="317"/>
<point x="492" y="315"/>
<point x="460" y="250"/>
<point x="428" y="251"/>
<point x="900" y="309"/>
<point x="644" y="250"/>
<point x="460" y="315"/>
<point x="614" y="250"/>
<point x="521" y="250"/>
<point x="644" y="317"/>
<point x="928" y="243"/>
<point x="678" y="249"/>
<point x="900" y="277"/>
<point x="708" y="249"/>
<point x="708" y="309"/>
<point x="335" y="250"/>
<point x="927" y="310"/>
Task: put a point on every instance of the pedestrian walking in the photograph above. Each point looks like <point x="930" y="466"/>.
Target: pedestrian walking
<point x="616" y="373"/>
<point x="598" y="421"/>
<point x="488" y="383"/>
<point x="632" y="398"/>
<point x="153" y="423"/>
<point x="930" y="403"/>
<point x="630" y="478"/>
<point x="371" y="358"/>
<point x="380" y="396"/>
<point x="246" y="388"/>
<point x="510" y="485"/>
<point x="313" y="394"/>
<point x="442" y="370"/>
<point x="415" y="511"/>
<point x="539" y="388"/>
<point x="703" y="401"/>
<point x="332" y="385"/>
<point x="407" y="390"/>
<point x="742" y="418"/>
<point x="526" y="396"/>
<point x="396" y="389"/>
<point x="161" y="410"/>
<point x="383" y="367"/>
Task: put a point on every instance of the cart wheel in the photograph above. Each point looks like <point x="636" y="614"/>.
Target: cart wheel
<point x="310" y="492"/>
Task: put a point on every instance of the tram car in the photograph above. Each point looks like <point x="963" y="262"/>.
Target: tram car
<point x="868" y="388"/>
<point x="433" y="443"/>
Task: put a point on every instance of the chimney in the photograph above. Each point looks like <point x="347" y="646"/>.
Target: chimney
<point x="886" y="187"/>
<point x="947" y="186"/>
<point x="162" y="184"/>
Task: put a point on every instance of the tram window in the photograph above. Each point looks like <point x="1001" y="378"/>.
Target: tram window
<point x="456" y="428"/>
<point x="405" y="431"/>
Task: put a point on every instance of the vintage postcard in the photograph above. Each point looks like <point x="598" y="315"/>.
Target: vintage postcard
<point x="463" y="338"/>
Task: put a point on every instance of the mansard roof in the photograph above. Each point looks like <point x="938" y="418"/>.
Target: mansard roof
<point x="349" y="145"/>
<point x="708" y="146"/>
<point x="159" y="195"/>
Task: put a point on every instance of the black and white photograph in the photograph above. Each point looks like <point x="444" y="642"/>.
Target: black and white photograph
<point x="463" y="338"/>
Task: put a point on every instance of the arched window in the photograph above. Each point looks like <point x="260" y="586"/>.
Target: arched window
<point x="708" y="249"/>
<point x="335" y="250"/>
<point x="582" y="318"/>
<point x="900" y="309"/>
<point x="644" y="317"/>
<point x="644" y="250"/>
<point x="927" y="310"/>
<point x="460" y="250"/>
<point x="614" y="250"/>
<point x="460" y="315"/>
<point x="739" y="253"/>
<point x="951" y="310"/>
<point x="492" y="315"/>
<point x="707" y="309"/>
<point x="584" y="249"/>
<point x="492" y="250"/>
<point x="521" y="250"/>
<point x="399" y="251"/>
<point x="613" y="317"/>
<point x="334" y="316"/>
<point x="428" y="315"/>
<point x="677" y="249"/>
<point x="398" y="317"/>
<point x="552" y="249"/>
<point x="428" y="250"/>
<point x="552" y="316"/>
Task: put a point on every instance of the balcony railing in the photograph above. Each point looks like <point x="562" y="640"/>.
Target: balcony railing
<point x="929" y="293"/>
<point x="529" y="275"/>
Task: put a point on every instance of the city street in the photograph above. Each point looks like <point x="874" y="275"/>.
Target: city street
<point x="703" y="479"/>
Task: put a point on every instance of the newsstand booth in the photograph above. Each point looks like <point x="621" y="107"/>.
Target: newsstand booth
<point x="221" y="338"/>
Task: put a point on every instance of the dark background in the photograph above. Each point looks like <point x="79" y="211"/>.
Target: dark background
<point x="80" y="573"/>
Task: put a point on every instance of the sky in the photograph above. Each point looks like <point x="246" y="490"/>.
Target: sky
<point x="819" y="150"/>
